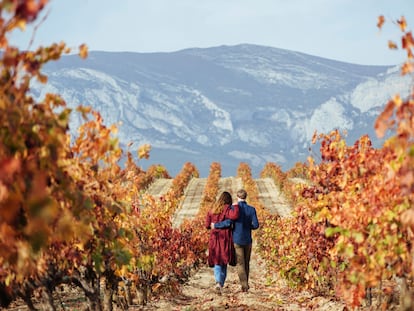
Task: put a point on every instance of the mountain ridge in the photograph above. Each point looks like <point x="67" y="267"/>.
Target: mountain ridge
<point x="229" y="104"/>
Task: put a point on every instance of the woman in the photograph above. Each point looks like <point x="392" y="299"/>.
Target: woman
<point x="221" y="248"/>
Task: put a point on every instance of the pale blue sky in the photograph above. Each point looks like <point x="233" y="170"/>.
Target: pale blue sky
<point x="343" y="30"/>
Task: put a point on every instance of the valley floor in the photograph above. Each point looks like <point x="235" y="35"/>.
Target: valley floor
<point x="266" y="292"/>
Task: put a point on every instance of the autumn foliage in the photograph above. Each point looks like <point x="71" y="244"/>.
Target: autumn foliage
<point x="71" y="214"/>
<point x="352" y="227"/>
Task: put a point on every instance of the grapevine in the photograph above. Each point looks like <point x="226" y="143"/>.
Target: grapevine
<point x="71" y="214"/>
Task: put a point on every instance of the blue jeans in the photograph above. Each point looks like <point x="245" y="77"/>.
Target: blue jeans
<point x="220" y="274"/>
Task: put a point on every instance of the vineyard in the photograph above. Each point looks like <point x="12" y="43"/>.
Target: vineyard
<point x="84" y="227"/>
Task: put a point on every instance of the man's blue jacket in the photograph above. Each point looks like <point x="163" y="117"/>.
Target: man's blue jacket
<point x="243" y="226"/>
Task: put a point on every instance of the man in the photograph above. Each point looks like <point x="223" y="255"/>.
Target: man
<point x="242" y="236"/>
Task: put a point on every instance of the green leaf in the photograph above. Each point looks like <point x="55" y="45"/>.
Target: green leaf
<point x="332" y="230"/>
<point x="349" y="251"/>
<point x="122" y="257"/>
<point x="97" y="260"/>
<point x="358" y="236"/>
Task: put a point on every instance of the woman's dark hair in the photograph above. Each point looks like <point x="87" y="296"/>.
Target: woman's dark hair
<point x="224" y="199"/>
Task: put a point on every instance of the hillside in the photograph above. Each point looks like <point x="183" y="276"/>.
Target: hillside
<point x="231" y="104"/>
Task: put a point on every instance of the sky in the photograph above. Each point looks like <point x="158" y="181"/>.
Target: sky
<point x="344" y="30"/>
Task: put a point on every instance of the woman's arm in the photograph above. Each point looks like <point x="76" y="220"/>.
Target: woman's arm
<point x="232" y="212"/>
<point x="208" y="221"/>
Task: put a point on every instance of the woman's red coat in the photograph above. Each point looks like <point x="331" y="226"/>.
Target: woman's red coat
<point x="220" y="246"/>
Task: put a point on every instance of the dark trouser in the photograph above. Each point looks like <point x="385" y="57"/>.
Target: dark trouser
<point x="243" y="253"/>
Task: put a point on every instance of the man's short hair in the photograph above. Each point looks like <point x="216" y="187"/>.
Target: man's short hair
<point x="242" y="194"/>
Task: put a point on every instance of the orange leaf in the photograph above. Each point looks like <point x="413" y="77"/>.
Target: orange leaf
<point x="381" y="21"/>
<point x="392" y="45"/>
<point x="382" y="122"/>
<point x="39" y="187"/>
<point x="407" y="218"/>
<point x="156" y="286"/>
<point x="4" y="192"/>
<point x="408" y="41"/>
<point x="10" y="208"/>
<point x="314" y="137"/>
<point x="83" y="51"/>
<point x="407" y="68"/>
<point x="402" y="23"/>
<point x="8" y="167"/>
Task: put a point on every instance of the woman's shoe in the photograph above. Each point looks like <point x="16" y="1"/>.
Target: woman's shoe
<point x="218" y="288"/>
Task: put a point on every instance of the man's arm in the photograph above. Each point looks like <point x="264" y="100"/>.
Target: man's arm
<point x="223" y="224"/>
<point x="231" y="214"/>
<point x="255" y="221"/>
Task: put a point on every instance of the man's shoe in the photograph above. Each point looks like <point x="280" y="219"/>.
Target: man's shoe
<point x="245" y="289"/>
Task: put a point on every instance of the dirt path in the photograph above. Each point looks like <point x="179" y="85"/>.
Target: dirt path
<point x="198" y="294"/>
<point x="264" y="294"/>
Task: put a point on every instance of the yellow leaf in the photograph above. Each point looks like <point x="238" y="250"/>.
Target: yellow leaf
<point x="359" y="237"/>
<point x="397" y="100"/>
<point x="83" y="51"/>
<point x="9" y="279"/>
<point x="402" y="23"/>
<point x="21" y="24"/>
<point x="392" y="45"/>
<point x="143" y="151"/>
<point x="79" y="246"/>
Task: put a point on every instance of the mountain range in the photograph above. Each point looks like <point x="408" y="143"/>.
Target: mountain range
<point x="227" y="104"/>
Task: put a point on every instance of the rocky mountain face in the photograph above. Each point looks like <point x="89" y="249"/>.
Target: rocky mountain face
<point x="229" y="104"/>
